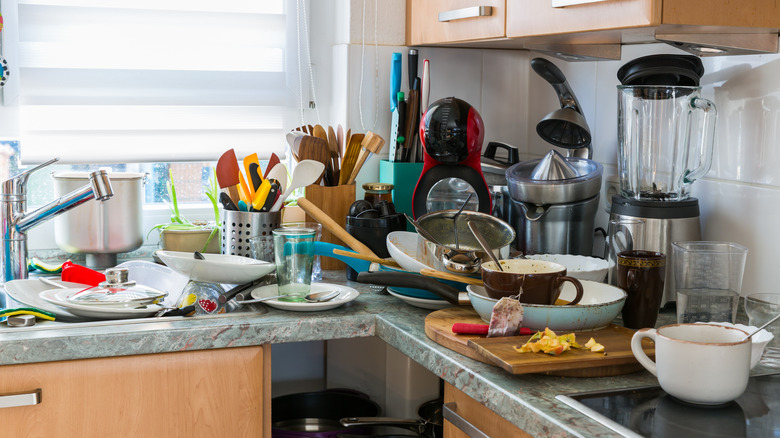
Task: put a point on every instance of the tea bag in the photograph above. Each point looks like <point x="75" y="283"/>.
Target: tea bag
<point x="506" y="317"/>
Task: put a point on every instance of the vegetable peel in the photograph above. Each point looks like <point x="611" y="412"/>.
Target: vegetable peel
<point x="550" y="343"/>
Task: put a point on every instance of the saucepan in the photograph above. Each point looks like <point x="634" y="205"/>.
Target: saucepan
<point x="317" y="414"/>
<point x="452" y="247"/>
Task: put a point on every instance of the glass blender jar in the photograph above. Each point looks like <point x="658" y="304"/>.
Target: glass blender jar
<point x="665" y="138"/>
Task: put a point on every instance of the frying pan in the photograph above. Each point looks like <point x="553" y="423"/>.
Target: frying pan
<point x="317" y="414"/>
<point x="430" y="424"/>
<point x="411" y="280"/>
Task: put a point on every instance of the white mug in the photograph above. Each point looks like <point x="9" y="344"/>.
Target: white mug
<point x="698" y="363"/>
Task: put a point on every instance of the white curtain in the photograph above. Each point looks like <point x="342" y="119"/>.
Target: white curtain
<point x="111" y="81"/>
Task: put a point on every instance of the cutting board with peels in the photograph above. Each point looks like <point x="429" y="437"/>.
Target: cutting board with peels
<point x="498" y="351"/>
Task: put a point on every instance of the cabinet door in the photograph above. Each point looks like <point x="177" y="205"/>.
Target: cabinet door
<point x="437" y="21"/>
<point x="539" y="17"/>
<point x="210" y="393"/>
<point x="480" y="417"/>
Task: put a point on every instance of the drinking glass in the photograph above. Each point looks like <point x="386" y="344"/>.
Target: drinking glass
<point x="294" y="256"/>
<point x="708" y="279"/>
<point x="316" y="269"/>
<point x="760" y="308"/>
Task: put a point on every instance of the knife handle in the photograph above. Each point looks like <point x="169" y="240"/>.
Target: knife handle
<point x="412" y="67"/>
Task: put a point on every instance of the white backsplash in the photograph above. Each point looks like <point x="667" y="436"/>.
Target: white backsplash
<point x="739" y="197"/>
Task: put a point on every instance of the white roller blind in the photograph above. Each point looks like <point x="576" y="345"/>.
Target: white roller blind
<point x="152" y="80"/>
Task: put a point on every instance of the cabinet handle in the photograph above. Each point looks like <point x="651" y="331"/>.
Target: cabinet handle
<point x="564" y="3"/>
<point x="472" y="12"/>
<point x="461" y="423"/>
<point x="20" y="399"/>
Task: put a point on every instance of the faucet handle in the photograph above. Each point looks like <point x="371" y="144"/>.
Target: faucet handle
<point x="16" y="183"/>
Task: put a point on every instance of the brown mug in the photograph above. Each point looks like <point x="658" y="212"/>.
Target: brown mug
<point x="641" y="274"/>
<point x="541" y="281"/>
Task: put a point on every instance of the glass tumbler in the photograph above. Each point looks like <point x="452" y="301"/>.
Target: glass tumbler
<point x="316" y="269"/>
<point x="708" y="279"/>
<point x="294" y="256"/>
<point x="760" y="308"/>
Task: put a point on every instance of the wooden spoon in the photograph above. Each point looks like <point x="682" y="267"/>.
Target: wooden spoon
<point x="314" y="148"/>
<point x="333" y="145"/>
<point x="332" y="226"/>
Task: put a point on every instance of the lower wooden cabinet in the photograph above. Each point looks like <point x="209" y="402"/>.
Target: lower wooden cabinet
<point x="478" y="416"/>
<point x="210" y="393"/>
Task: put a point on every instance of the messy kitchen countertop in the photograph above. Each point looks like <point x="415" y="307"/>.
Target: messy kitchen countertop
<point x="527" y="401"/>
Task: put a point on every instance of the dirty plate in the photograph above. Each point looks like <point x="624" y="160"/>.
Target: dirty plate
<point x="434" y="304"/>
<point x="346" y="295"/>
<point x="59" y="297"/>
<point x="216" y="268"/>
<point x="26" y="292"/>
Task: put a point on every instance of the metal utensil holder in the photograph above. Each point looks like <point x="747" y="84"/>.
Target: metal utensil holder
<point x="239" y="226"/>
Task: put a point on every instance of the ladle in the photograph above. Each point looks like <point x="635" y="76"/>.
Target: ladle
<point x="306" y="173"/>
<point x="483" y="243"/>
<point x="763" y="326"/>
<point x="314" y="297"/>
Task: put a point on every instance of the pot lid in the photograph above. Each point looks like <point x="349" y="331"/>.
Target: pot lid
<point x="117" y="291"/>
<point x="585" y="184"/>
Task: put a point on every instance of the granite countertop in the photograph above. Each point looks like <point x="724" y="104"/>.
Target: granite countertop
<point x="527" y="401"/>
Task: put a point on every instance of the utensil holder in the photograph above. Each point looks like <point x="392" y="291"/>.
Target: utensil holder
<point x="335" y="202"/>
<point x="239" y="226"/>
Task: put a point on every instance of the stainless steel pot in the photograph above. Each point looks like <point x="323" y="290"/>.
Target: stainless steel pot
<point x="101" y="230"/>
<point x="457" y="249"/>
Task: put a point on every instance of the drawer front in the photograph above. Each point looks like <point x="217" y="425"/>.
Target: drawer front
<point x="445" y="21"/>
<point x="199" y="393"/>
<point x="539" y="17"/>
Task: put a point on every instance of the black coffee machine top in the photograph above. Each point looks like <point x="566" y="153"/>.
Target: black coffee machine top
<point x="452" y="133"/>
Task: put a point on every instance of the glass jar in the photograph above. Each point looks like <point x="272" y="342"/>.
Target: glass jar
<point x="377" y="192"/>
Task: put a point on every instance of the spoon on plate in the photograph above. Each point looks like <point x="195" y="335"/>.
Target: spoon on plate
<point x="314" y="297"/>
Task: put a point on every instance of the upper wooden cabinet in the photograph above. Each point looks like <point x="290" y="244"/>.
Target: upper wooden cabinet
<point x="748" y="26"/>
<point x="444" y="21"/>
<point x="540" y="17"/>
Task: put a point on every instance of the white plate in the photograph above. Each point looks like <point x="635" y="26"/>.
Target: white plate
<point x="59" y="297"/>
<point x="26" y="292"/>
<point x="347" y="294"/>
<point x="421" y="302"/>
<point x="402" y="246"/>
<point x="217" y="268"/>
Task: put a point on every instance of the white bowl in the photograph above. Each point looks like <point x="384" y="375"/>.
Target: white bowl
<point x="760" y="339"/>
<point x="600" y="305"/>
<point x="216" y="268"/>
<point x="578" y="266"/>
<point x="402" y="246"/>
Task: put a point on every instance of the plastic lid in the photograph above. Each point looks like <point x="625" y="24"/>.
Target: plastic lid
<point x="118" y="291"/>
<point x="673" y="70"/>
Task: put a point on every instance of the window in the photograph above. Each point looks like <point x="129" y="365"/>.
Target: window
<point x="150" y="82"/>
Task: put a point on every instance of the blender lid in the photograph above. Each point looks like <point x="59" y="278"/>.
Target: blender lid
<point x="586" y="184"/>
<point x="672" y="70"/>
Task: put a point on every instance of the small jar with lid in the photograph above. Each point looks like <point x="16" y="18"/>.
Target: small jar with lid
<point x="377" y="192"/>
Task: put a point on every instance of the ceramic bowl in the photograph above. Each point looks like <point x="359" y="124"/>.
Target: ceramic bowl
<point x="402" y="246"/>
<point x="216" y="268"/>
<point x="578" y="266"/>
<point x="760" y="340"/>
<point x="601" y="304"/>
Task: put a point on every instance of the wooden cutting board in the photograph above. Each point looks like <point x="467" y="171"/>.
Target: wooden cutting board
<point x="498" y="351"/>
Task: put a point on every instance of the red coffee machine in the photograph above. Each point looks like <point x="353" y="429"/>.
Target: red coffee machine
<point x="452" y="132"/>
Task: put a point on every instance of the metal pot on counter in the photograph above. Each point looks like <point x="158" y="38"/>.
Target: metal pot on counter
<point x="101" y="230"/>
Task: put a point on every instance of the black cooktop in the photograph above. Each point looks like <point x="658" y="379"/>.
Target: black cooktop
<point x="651" y="412"/>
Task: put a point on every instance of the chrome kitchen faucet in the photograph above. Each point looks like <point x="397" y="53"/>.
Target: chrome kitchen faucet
<point x="15" y="222"/>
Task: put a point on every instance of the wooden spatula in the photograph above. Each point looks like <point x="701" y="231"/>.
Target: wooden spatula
<point x="350" y="157"/>
<point x="314" y="148"/>
<point x="227" y="174"/>
<point x="371" y="144"/>
<point x="333" y="146"/>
